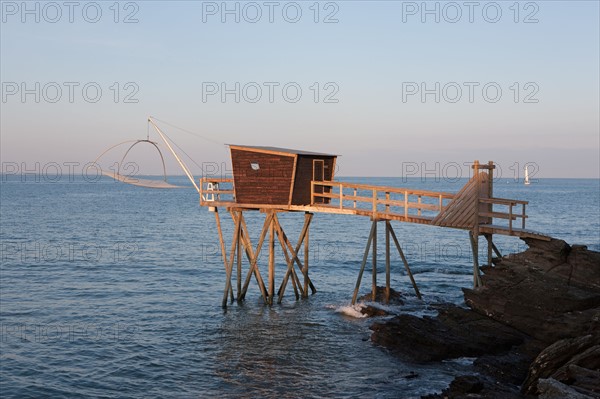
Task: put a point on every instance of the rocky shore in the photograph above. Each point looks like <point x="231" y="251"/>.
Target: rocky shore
<point x="534" y="327"/>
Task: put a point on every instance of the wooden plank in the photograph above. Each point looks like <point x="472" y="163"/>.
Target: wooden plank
<point x="230" y="265"/>
<point x="501" y="215"/>
<point x="253" y="263"/>
<point x="307" y="219"/>
<point x="251" y="258"/>
<point x="387" y="262"/>
<point x="289" y="261"/>
<point x="247" y="244"/>
<point x="458" y="209"/>
<point x="475" y="252"/>
<point x="222" y="244"/>
<point x="374" y="259"/>
<point x="272" y="259"/>
<point x="261" y="150"/>
<point x="503" y="201"/>
<point x="364" y="262"/>
<point x="294" y="254"/>
<point x="406" y="267"/>
<point x="293" y="179"/>
<point x="397" y="190"/>
<point x="493" y="229"/>
<point x="239" y="264"/>
<point x="459" y="213"/>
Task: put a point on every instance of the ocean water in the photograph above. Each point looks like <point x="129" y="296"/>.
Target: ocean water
<point x="110" y="290"/>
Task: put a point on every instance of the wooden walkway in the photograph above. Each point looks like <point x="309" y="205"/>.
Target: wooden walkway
<point x="473" y="208"/>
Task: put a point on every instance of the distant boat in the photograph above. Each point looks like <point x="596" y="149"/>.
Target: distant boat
<point x="527" y="176"/>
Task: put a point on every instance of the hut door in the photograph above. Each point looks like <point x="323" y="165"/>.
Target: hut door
<point x="319" y="175"/>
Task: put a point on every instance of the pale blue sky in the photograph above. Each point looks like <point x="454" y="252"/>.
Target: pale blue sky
<point x="371" y="55"/>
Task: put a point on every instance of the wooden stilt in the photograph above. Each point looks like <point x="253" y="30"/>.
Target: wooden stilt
<point x="290" y="264"/>
<point x="253" y="263"/>
<point x="230" y="266"/>
<point x="272" y="260"/>
<point x="476" y="222"/>
<point x="247" y="243"/>
<point x="294" y="254"/>
<point x="488" y="238"/>
<point x="475" y="250"/>
<point x="222" y="243"/>
<point x="307" y="219"/>
<point x="374" y="258"/>
<point x="239" y="264"/>
<point x="387" y="261"/>
<point x="496" y="250"/>
<point x="408" y="271"/>
<point x="364" y="262"/>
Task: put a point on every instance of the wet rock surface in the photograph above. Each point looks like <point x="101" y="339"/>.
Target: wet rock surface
<point x="534" y="327"/>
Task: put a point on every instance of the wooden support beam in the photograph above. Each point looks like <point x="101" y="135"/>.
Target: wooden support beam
<point x="364" y="262"/>
<point x="399" y="248"/>
<point x="496" y="250"/>
<point x="290" y="264"/>
<point x="236" y="235"/>
<point x="475" y="249"/>
<point x="307" y="219"/>
<point x="387" y="261"/>
<point x="488" y="238"/>
<point x="294" y="254"/>
<point x="222" y="243"/>
<point x="253" y="262"/>
<point x="239" y="264"/>
<point x="246" y="242"/>
<point x="374" y="258"/>
<point x="272" y="259"/>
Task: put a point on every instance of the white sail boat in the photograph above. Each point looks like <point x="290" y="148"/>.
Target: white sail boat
<point x="526" y="176"/>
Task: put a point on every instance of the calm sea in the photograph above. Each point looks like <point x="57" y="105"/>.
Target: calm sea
<point x="110" y="290"/>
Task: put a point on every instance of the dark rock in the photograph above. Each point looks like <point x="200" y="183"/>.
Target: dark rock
<point x="549" y="292"/>
<point x="552" y="389"/>
<point x="455" y="332"/>
<point x="535" y="319"/>
<point x="395" y="297"/>
<point x="466" y="384"/>
<point x="484" y="387"/>
<point x="555" y="360"/>
<point x="373" y="311"/>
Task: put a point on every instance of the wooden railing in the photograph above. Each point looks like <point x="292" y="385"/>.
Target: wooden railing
<point x="409" y="203"/>
<point x="211" y="189"/>
<point x="381" y="201"/>
<point x="377" y="199"/>
<point x="509" y="214"/>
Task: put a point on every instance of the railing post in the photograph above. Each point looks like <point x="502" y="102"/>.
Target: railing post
<point x="387" y="205"/>
<point x="374" y="203"/>
<point x="355" y="192"/>
<point x="341" y="196"/>
<point x="419" y="202"/>
<point x="524" y="216"/>
<point x="405" y="204"/>
<point x="441" y="203"/>
<point x="201" y="190"/>
<point x="510" y="217"/>
<point x="312" y="192"/>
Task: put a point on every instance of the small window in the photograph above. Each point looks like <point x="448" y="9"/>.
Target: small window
<point x="254" y="165"/>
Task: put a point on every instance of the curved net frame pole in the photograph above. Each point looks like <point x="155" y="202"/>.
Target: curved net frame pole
<point x="181" y="163"/>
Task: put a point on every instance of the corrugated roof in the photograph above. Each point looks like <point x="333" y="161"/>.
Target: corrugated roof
<point x="280" y="149"/>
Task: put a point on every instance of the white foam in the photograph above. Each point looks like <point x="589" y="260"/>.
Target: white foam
<point x="349" y="310"/>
